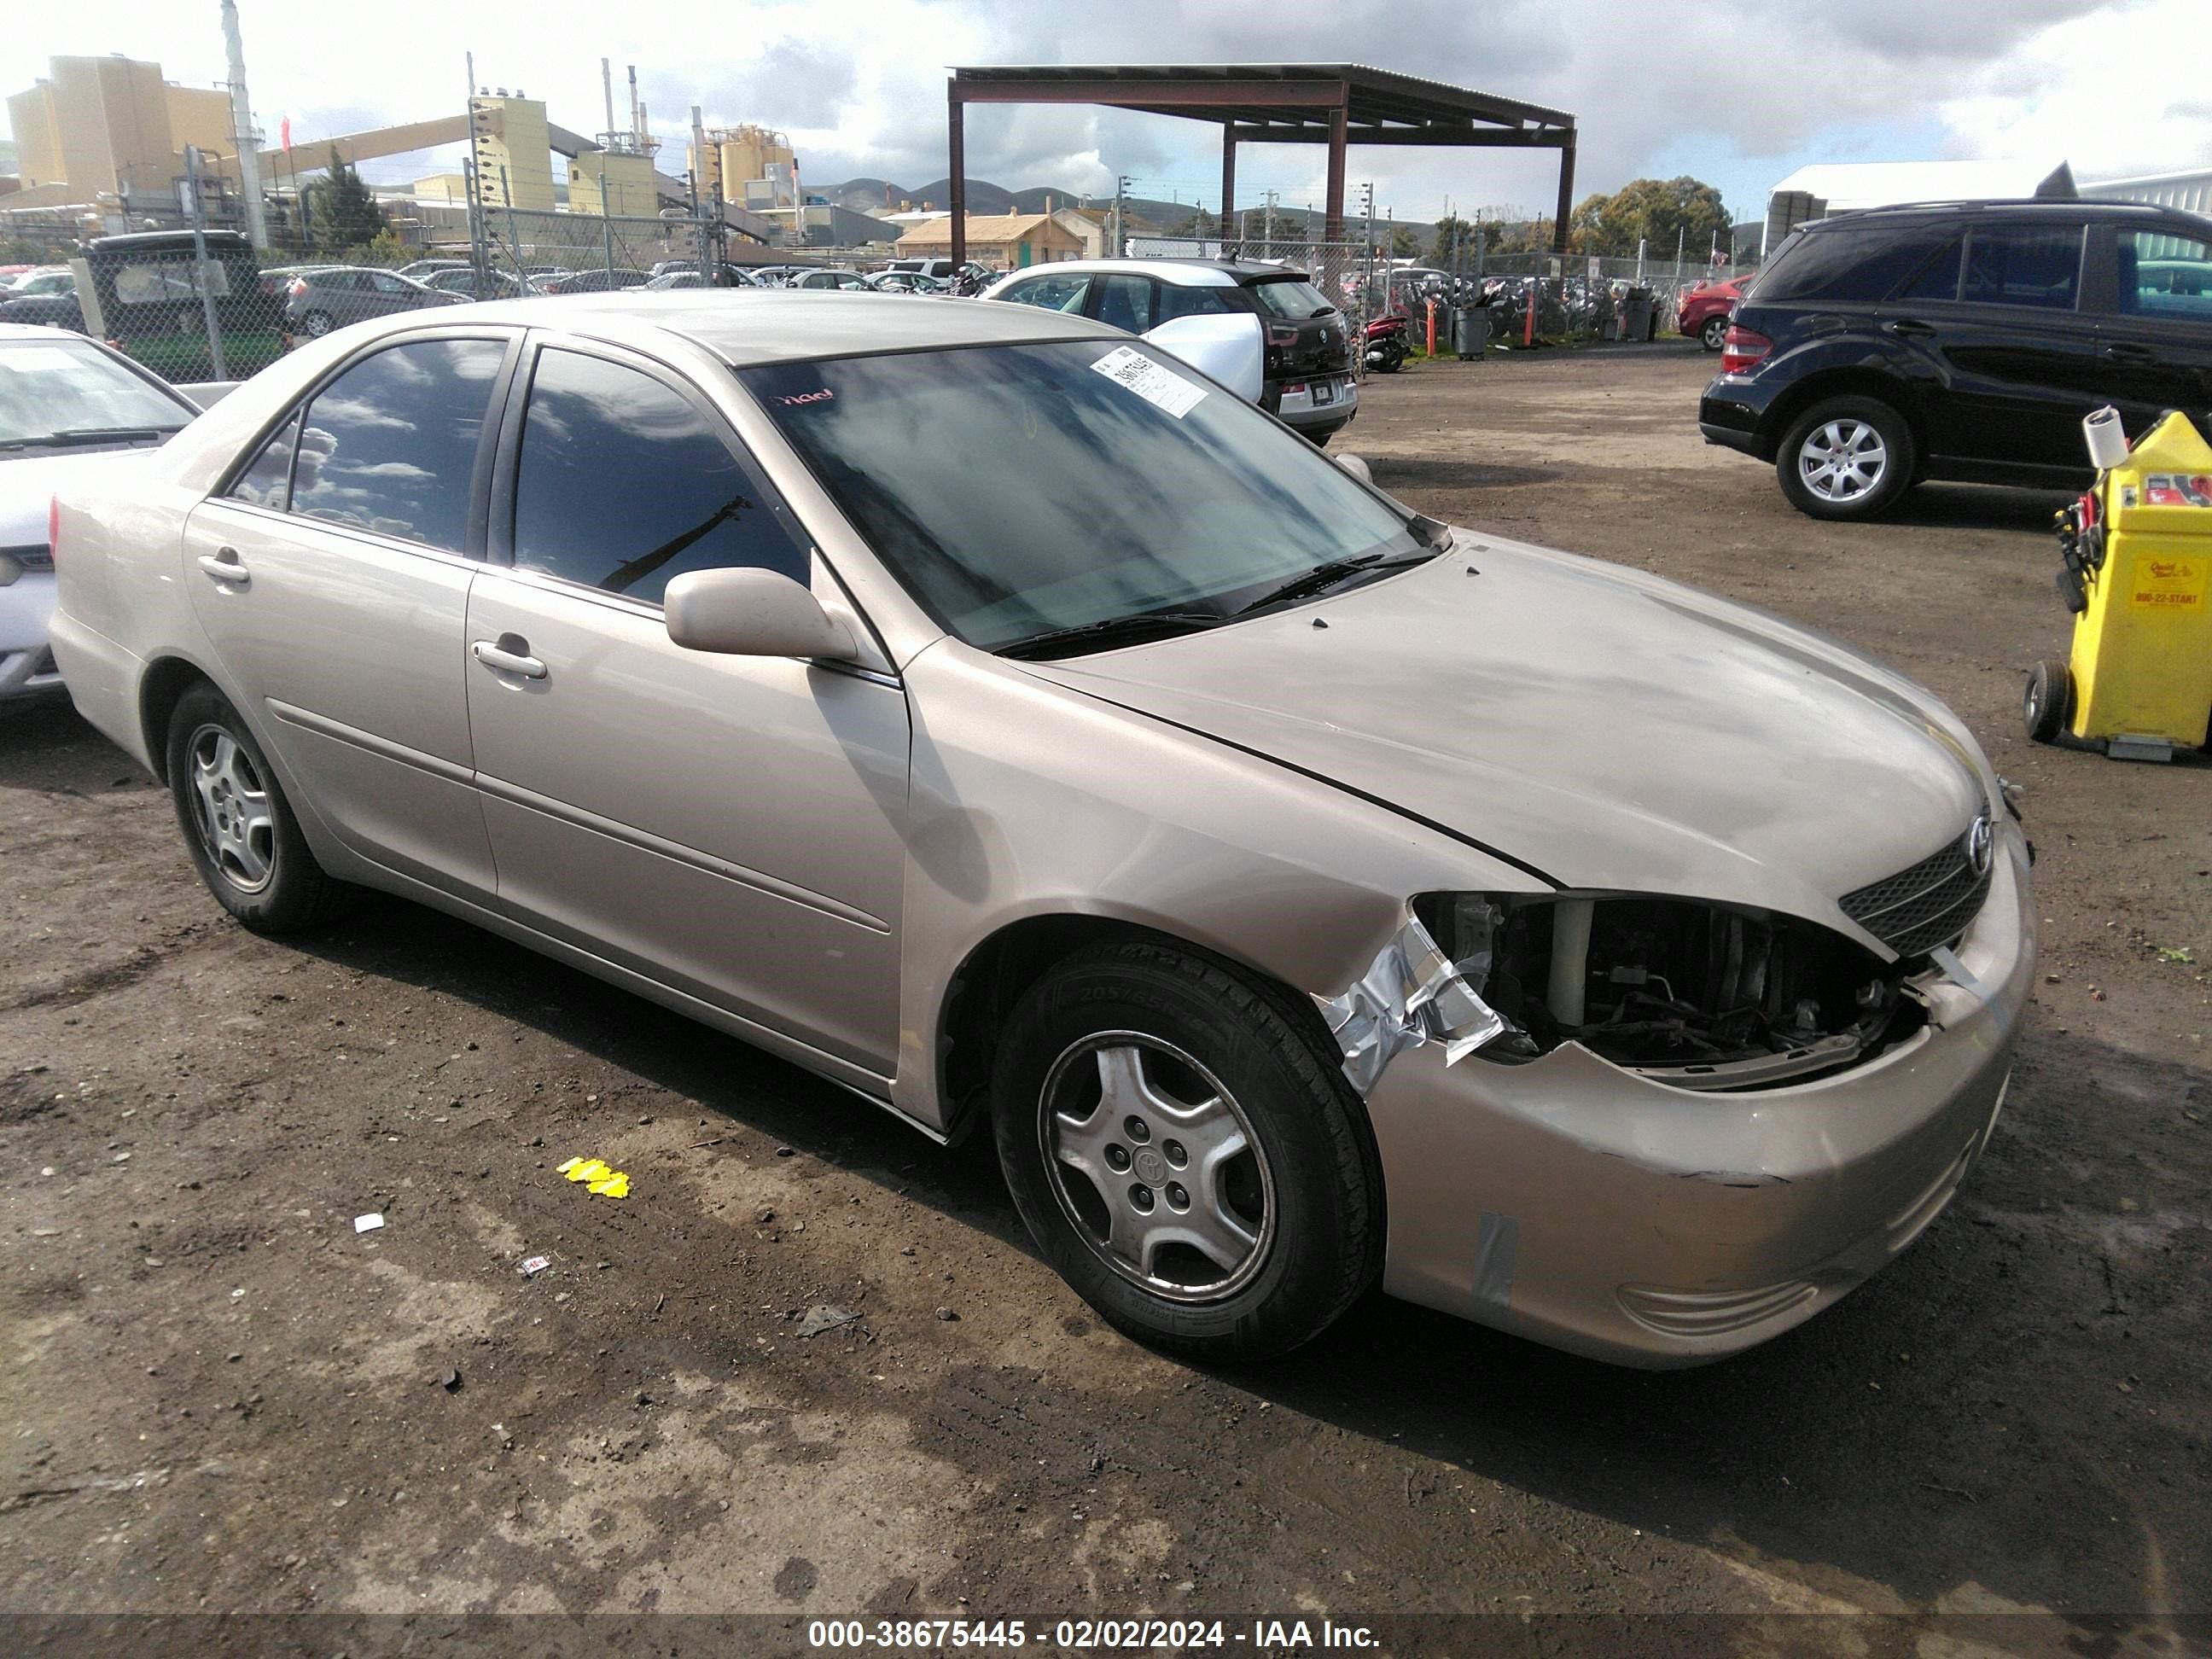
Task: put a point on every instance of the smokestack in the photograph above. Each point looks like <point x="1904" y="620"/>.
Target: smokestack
<point x="637" y="117"/>
<point x="241" y="127"/>
<point x="607" y="86"/>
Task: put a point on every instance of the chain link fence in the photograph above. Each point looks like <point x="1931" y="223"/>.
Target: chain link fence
<point x="200" y="304"/>
<point x="1529" y="298"/>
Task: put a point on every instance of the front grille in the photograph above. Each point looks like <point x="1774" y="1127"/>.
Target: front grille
<point x="1930" y="904"/>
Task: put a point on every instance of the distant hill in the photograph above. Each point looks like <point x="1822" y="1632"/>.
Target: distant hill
<point x="880" y="196"/>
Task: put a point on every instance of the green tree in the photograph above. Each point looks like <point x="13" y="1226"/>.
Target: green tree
<point x="1450" y="231"/>
<point x="346" y="214"/>
<point x="1404" y="244"/>
<point x="1655" y="211"/>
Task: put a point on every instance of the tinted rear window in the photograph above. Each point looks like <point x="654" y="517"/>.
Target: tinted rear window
<point x="1845" y="266"/>
<point x="1288" y="296"/>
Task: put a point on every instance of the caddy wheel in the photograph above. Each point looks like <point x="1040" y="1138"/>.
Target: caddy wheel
<point x="2048" y="700"/>
<point x="1185" y="1153"/>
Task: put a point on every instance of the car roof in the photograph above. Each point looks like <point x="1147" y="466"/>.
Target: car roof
<point x="748" y="326"/>
<point x="2042" y="207"/>
<point x="1187" y="273"/>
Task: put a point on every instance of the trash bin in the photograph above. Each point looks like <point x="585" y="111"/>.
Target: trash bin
<point x="2138" y="564"/>
<point x="1637" y="322"/>
<point x="1470" y="331"/>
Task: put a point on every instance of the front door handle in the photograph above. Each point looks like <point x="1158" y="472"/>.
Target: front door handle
<point x="1910" y="328"/>
<point x="2131" y="353"/>
<point x="224" y="565"/>
<point x="510" y="656"/>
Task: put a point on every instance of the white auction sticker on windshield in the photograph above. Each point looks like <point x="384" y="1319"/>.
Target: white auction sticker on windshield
<point x="1163" y="388"/>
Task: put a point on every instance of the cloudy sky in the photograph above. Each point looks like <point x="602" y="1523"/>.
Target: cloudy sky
<point x="1737" y="92"/>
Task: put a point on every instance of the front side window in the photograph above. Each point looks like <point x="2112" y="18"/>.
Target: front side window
<point x="268" y="482"/>
<point x="2165" y="276"/>
<point x="391" y="445"/>
<point x="1018" y="490"/>
<point x="2033" y="266"/>
<point x="1064" y="293"/>
<point x="624" y="485"/>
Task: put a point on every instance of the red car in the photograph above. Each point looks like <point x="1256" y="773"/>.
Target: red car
<point x="1702" y="313"/>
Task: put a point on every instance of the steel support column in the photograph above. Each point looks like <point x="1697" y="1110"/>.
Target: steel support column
<point x="1228" y="191"/>
<point x="1333" y="208"/>
<point x="1566" y="197"/>
<point x="955" y="147"/>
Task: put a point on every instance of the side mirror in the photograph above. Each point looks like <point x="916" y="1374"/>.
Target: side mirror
<point x="752" y="613"/>
<point x="1357" y="467"/>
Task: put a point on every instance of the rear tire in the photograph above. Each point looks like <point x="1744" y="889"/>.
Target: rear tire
<point x="1845" y="459"/>
<point x="1714" y="335"/>
<point x="316" y="324"/>
<point x="1184" y="1154"/>
<point x="239" y="828"/>
<point x="2047" y="703"/>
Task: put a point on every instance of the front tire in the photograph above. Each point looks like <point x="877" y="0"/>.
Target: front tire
<point x="239" y="829"/>
<point x="1184" y="1154"/>
<point x="1714" y="335"/>
<point x="1845" y="459"/>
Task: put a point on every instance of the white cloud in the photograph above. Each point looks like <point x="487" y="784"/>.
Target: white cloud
<point x="2109" y="83"/>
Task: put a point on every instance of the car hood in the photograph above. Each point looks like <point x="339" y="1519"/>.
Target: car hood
<point x="1602" y="727"/>
<point x="30" y="480"/>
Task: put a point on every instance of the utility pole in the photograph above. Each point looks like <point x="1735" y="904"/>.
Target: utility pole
<point x="247" y="141"/>
<point x="200" y="276"/>
<point x="1122" y="183"/>
<point x="1267" y="225"/>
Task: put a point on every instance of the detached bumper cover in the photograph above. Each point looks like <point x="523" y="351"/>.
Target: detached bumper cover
<point x="1597" y="1210"/>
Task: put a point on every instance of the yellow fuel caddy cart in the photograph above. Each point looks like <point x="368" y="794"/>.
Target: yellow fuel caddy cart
<point x="2138" y="565"/>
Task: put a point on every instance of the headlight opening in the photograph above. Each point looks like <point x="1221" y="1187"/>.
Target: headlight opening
<point x="1688" y="992"/>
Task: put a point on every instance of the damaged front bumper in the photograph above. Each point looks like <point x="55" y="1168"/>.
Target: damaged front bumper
<point x="1610" y="1213"/>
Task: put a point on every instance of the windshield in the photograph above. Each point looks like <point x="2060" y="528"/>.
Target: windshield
<point x="49" y="387"/>
<point x="1289" y="296"/>
<point x="1019" y="490"/>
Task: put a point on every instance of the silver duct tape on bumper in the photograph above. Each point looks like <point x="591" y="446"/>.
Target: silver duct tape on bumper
<point x="1411" y="994"/>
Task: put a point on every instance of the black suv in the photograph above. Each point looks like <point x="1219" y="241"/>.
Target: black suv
<point x="1963" y="340"/>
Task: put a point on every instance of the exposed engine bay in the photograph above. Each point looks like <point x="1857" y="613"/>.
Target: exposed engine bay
<point x="1698" y="996"/>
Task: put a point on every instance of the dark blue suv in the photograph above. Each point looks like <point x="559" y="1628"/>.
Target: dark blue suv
<point x="1961" y="341"/>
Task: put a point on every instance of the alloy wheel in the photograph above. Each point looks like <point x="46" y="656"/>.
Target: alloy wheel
<point x="1157" y="1165"/>
<point x="1842" y="461"/>
<point x="231" y="809"/>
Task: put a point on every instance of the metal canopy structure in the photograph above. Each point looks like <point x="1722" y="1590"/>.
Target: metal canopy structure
<point x="1335" y="104"/>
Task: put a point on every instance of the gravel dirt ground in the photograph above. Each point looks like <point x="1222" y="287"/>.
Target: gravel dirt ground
<point x="221" y="1397"/>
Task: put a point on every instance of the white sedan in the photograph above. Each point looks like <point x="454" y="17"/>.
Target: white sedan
<point x="67" y="404"/>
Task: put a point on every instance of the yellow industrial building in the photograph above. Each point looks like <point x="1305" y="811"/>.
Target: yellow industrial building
<point x="513" y="143"/>
<point x="612" y="181"/>
<point x="735" y="157"/>
<point x="107" y="127"/>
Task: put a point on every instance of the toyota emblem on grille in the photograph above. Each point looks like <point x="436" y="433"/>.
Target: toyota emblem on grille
<point x="1981" y="843"/>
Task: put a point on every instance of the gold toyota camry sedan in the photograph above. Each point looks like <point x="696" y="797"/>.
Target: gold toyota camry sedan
<point x="986" y="711"/>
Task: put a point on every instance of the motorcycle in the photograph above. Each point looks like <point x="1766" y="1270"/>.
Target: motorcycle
<point x="1387" y="348"/>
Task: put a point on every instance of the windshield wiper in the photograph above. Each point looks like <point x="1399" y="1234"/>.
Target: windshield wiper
<point x="1115" y="630"/>
<point x="88" y="434"/>
<point x="1322" y="577"/>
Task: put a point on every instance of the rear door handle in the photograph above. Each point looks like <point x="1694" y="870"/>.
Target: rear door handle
<point x="2131" y="353"/>
<point x="224" y="565"/>
<point x="1910" y="328"/>
<point x="518" y="661"/>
